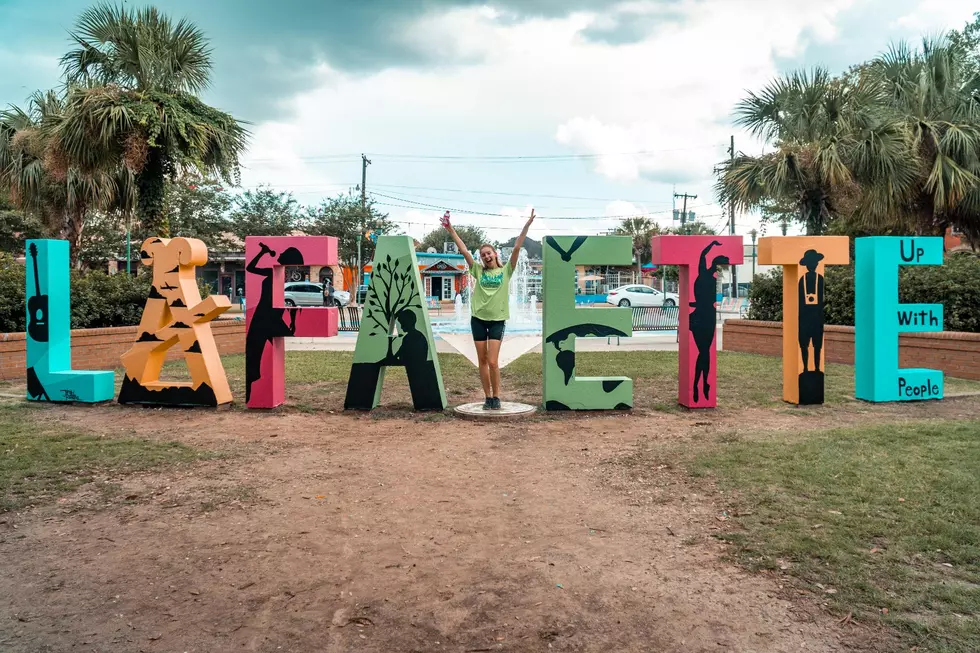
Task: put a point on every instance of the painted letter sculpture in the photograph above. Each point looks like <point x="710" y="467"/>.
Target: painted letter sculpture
<point x="267" y="319"/>
<point x="394" y="296"/>
<point x="49" y="373"/>
<point x="879" y="318"/>
<point x="803" y="259"/>
<point x="696" y="375"/>
<point x="562" y="323"/>
<point x="174" y="314"/>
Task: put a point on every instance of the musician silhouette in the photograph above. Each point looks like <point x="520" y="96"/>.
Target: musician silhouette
<point x="703" y="318"/>
<point x="268" y="322"/>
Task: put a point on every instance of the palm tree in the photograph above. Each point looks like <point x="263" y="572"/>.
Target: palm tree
<point x="829" y="138"/>
<point x="40" y="178"/>
<point x="933" y="94"/>
<point x="641" y="230"/>
<point x="131" y="97"/>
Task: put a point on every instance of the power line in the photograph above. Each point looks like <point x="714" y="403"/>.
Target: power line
<point x="487" y="158"/>
<point x="437" y="207"/>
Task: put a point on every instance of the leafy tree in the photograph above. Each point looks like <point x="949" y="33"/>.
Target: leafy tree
<point x="532" y="246"/>
<point x="104" y="240"/>
<point x="264" y="212"/>
<point x="342" y="217"/>
<point x="472" y="237"/>
<point x="16" y="227"/>
<point x="198" y="207"/>
<point x="967" y="41"/>
<point x="131" y="98"/>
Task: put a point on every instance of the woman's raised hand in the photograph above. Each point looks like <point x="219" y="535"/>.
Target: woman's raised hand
<point x="531" y="219"/>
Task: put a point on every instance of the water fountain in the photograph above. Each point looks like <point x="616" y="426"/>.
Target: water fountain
<point x="524" y="315"/>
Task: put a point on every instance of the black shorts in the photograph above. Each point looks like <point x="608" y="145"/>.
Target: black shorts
<point x="484" y="330"/>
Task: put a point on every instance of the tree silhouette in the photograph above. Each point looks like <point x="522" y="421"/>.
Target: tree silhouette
<point x="396" y="290"/>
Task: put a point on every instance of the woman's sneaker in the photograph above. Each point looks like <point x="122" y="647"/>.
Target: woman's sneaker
<point x="488" y="403"/>
<point x="495" y="403"/>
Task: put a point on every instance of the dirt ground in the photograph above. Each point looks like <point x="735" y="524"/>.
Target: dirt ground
<point x="329" y="532"/>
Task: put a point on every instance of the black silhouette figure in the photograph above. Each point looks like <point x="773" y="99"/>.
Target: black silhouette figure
<point x="702" y="318"/>
<point x="268" y="322"/>
<point x="413" y="355"/>
<point x="566" y="256"/>
<point x="34" y="386"/>
<point x="810" y="327"/>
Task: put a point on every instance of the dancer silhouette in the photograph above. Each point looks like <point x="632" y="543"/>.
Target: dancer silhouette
<point x="702" y="318"/>
<point x="268" y="322"/>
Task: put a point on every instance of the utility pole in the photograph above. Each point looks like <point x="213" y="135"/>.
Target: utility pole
<point x="684" y="210"/>
<point x="365" y="162"/>
<point x="731" y="220"/>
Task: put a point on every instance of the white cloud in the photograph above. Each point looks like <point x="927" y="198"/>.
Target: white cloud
<point x="937" y="16"/>
<point x="540" y="86"/>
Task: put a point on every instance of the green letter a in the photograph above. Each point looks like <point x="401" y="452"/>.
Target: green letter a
<point x="394" y="297"/>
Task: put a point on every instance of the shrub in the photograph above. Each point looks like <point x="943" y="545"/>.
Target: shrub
<point x="107" y="300"/>
<point x="13" y="309"/>
<point x="955" y="284"/>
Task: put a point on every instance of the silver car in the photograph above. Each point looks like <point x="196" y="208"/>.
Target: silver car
<point x="306" y="293"/>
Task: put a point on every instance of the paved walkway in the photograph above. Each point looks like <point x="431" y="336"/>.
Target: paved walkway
<point x="445" y="345"/>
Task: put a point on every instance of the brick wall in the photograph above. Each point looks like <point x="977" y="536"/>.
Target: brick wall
<point x="956" y="354"/>
<point x="100" y="349"/>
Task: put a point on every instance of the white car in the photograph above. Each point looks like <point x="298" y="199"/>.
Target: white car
<point x="637" y="295"/>
<point x="305" y="293"/>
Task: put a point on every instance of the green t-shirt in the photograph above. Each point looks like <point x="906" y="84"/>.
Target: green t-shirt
<point x="490" y="300"/>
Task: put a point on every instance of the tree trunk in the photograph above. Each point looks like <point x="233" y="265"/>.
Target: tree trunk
<point x="71" y="231"/>
<point x="150" y="184"/>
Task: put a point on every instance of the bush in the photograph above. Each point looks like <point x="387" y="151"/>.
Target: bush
<point x="956" y="285"/>
<point x="97" y="299"/>
<point x="13" y="308"/>
<point x="107" y="300"/>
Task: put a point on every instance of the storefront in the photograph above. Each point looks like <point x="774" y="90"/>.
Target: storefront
<point x="443" y="275"/>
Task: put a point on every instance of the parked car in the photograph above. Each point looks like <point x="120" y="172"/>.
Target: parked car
<point x="636" y="295"/>
<point x="305" y="293"/>
<point x="362" y="294"/>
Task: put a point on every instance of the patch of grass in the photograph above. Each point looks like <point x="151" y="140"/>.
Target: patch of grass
<point x="887" y="518"/>
<point x="39" y="462"/>
<point x="317" y="380"/>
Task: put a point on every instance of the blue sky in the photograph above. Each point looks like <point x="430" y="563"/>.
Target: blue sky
<point x="585" y="109"/>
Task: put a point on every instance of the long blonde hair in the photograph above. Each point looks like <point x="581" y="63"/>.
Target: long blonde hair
<point x="496" y="255"/>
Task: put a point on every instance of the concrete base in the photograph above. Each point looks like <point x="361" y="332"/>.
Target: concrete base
<point x="508" y="410"/>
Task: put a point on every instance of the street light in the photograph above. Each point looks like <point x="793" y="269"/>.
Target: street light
<point x="753" y="233"/>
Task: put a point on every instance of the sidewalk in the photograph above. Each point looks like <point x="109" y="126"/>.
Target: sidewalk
<point x="667" y="341"/>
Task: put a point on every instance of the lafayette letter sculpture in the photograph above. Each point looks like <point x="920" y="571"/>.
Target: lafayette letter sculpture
<point x="174" y="314"/>
<point x="562" y="323"/>
<point x="49" y="373"/>
<point x="803" y="259"/>
<point x="879" y="318"/>
<point x="267" y="319"/>
<point x="394" y="296"/>
<point x="697" y="317"/>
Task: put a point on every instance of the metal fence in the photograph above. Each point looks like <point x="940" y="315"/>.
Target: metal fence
<point x="655" y="318"/>
<point x="350" y="318"/>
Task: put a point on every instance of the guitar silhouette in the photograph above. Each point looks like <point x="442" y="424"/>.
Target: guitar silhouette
<point x="566" y="256"/>
<point x="37" y="306"/>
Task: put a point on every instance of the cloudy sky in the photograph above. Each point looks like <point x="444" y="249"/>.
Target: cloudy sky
<point x="585" y="109"/>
